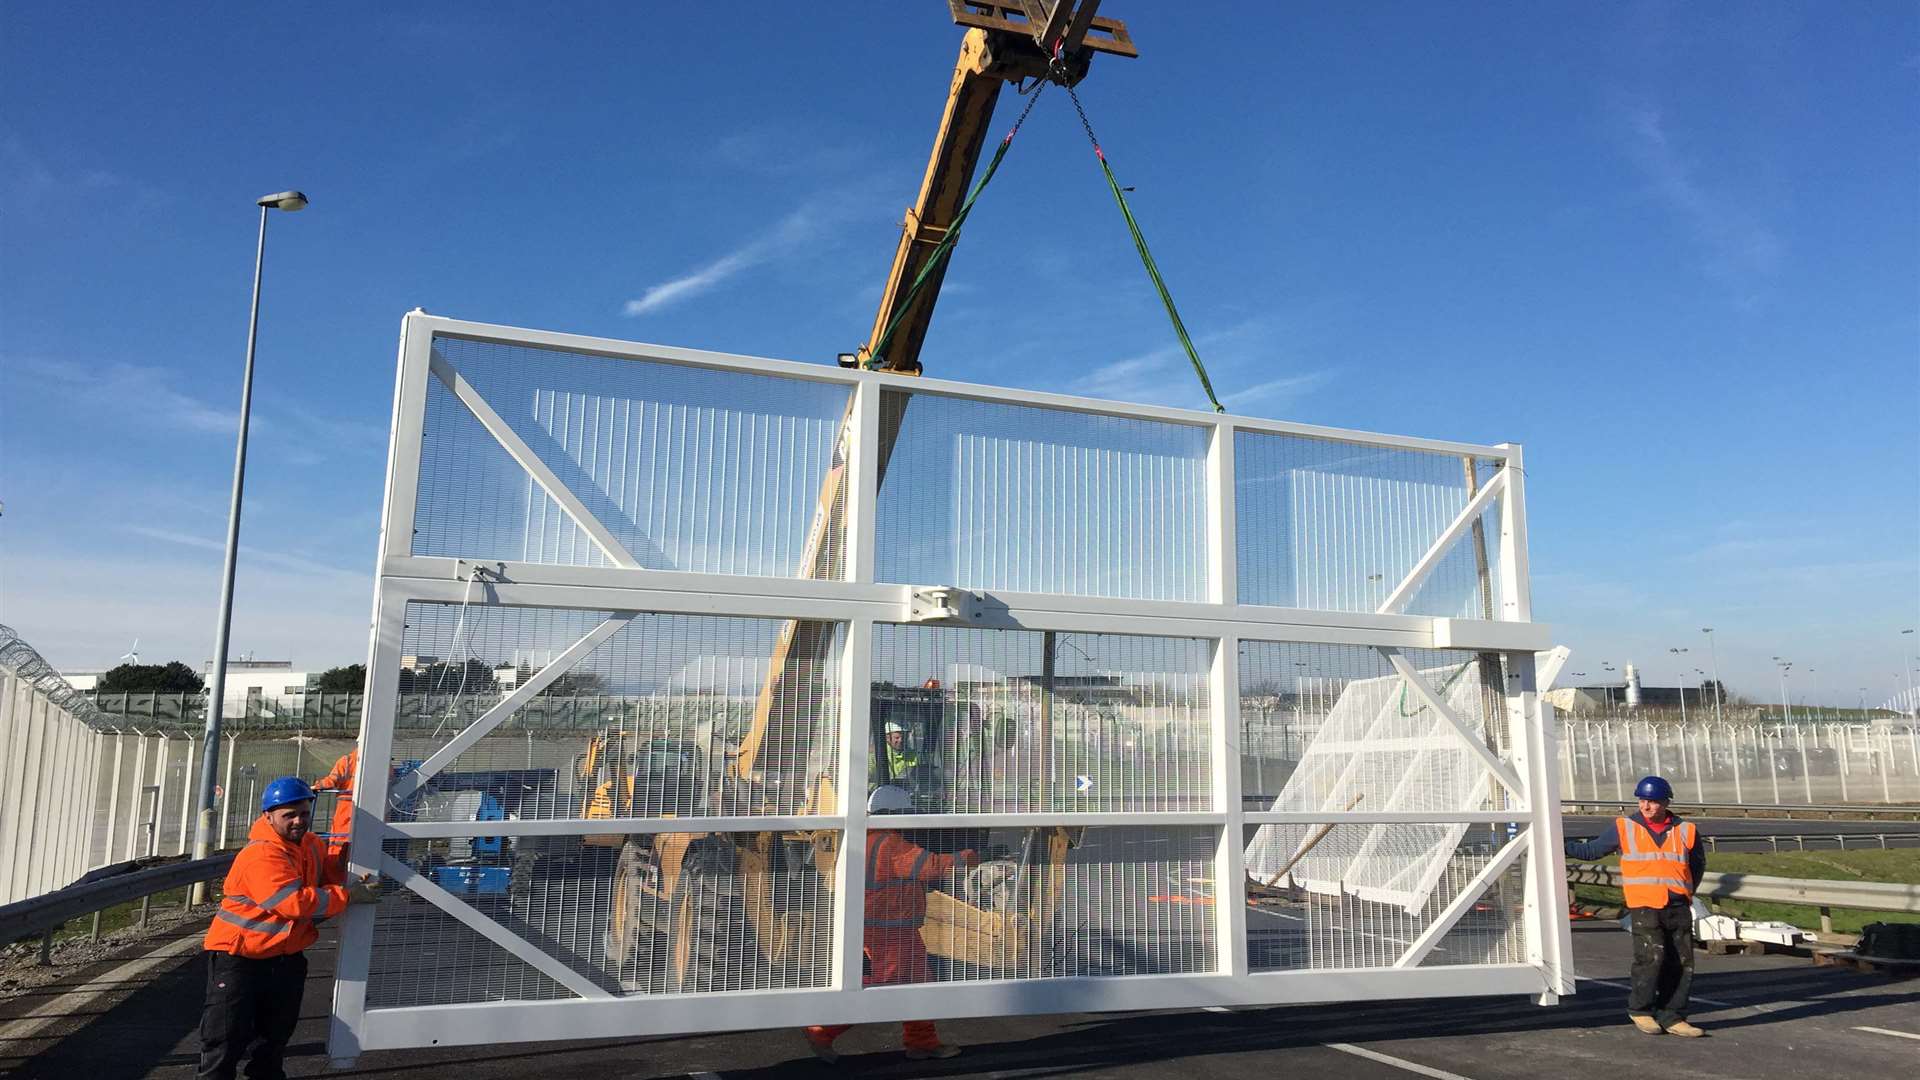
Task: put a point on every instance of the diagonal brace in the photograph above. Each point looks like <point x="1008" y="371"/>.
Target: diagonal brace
<point x="1500" y="769"/>
<point x="516" y="447"/>
<point x="1463" y="901"/>
<point x="487" y="928"/>
<point x="1417" y="576"/>
<point x="522" y="694"/>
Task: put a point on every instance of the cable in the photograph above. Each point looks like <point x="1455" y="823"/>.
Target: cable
<point x="1146" y="257"/>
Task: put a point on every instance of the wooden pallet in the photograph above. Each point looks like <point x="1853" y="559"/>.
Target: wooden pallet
<point x="1875" y="965"/>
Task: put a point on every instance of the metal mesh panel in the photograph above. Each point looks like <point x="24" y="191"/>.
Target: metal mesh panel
<point x="651" y="722"/>
<point x="667" y="913"/>
<point x="1337" y="526"/>
<point x="424" y="956"/>
<point x="1126" y="901"/>
<point x="995" y="496"/>
<point x="1009" y="721"/>
<point x="1313" y="919"/>
<point x="1369" y="743"/>
<point x="691" y="469"/>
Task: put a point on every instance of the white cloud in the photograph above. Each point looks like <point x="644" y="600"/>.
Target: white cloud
<point x="1233" y="356"/>
<point x="1739" y="245"/>
<point x="281" y="560"/>
<point x="130" y="389"/>
<point x="787" y="235"/>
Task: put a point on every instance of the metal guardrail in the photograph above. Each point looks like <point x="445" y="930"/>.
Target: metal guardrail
<point x="1798" y="841"/>
<point x="104" y="888"/>
<point x="1855" y="811"/>
<point x="1826" y="895"/>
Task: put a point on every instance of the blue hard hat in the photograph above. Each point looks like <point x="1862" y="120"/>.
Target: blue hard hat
<point x="287" y="789"/>
<point x="1653" y="787"/>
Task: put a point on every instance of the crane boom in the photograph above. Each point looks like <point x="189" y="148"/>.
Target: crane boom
<point x="1004" y="43"/>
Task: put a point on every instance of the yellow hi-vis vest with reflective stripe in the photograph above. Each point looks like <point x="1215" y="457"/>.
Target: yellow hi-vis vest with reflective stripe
<point x="1649" y="871"/>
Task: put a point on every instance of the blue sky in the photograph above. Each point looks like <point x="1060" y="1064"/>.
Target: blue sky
<point x="1673" y="250"/>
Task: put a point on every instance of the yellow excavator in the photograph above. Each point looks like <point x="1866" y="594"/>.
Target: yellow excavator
<point x="724" y="904"/>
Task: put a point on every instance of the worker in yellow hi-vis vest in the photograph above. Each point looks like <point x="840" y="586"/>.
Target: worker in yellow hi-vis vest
<point x="1661" y="862"/>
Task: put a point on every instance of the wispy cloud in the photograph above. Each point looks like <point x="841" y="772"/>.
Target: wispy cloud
<point x="29" y="179"/>
<point x="787" y="235"/>
<point x="146" y="395"/>
<point x="1739" y="246"/>
<point x="294" y="563"/>
<point x="133" y="389"/>
<point x="1235" y="355"/>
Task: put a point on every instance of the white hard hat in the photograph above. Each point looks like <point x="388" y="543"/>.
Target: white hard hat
<point x="893" y="727"/>
<point x="889" y="799"/>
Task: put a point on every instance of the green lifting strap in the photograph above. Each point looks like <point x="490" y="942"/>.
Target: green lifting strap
<point x="1146" y="257"/>
<point x="877" y="354"/>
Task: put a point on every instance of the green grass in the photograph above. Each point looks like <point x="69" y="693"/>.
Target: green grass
<point x="1897" y="865"/>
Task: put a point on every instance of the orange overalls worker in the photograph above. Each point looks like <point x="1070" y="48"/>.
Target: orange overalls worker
<point x="280" y="884"/>
<point x="898" y="876"/>
<point x="341" y="780"/>
<point x="1661" y="862"/>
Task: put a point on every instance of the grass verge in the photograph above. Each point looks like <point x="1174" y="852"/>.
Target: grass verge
<point x="1897" y="865"/>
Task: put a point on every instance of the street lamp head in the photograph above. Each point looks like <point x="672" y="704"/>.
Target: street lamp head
<point x="283" y="200"/>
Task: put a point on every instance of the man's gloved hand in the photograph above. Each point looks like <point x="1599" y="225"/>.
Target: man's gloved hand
<point x="364" y="891"/>
<point x="966" y="860"/>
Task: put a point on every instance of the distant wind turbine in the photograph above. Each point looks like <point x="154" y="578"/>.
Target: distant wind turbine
<point x="132" y="655"/>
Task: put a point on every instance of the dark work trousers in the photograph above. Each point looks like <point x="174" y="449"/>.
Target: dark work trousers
<point x="251" y="1008"/>
<point x="1662" y="963"/>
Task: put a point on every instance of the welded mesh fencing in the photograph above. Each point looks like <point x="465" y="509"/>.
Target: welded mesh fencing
<point x="49" y="766"/>
<point x="1765" y="763"/>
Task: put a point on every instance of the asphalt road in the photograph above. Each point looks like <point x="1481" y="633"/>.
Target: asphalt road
<point x="1769" y="1017"/>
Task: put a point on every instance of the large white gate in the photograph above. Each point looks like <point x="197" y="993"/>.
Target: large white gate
<point x="1236" y="711"/>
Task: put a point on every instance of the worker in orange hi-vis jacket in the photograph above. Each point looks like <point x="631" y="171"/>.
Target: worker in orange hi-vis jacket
<point x="341" y="780"/>
<point x="899" y="874"/>
<point x="281" y="883"/>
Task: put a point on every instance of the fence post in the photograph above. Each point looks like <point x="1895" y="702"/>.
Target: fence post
<point x="186" y="798"/>
<point x="1826" y="920"/>
<point x="226" y="789"/>
<point x="1886" y="767"/>
<point x="139" y="790"/>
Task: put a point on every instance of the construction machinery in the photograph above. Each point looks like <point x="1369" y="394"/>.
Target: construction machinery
<point x="712" y="899"/>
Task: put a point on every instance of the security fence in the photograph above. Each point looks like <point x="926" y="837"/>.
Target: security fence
<point x="1774" y="763"/>
<point x="49" y="754"/>
<point x="1058" y="624"/>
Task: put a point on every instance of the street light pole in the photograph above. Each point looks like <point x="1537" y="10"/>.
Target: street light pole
<point x="1913" y="700"/>
<point x="1679" y="654"/>
<point x="217" y="685"/>
<point x="1718" y="690"/>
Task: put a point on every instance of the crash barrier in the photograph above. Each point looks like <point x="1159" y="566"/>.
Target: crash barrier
<point x="1798" y="811"/>
<point x="105" y="887"/>
<point x="1075" y="631"/>
<point x="1826" y="895"/>
<point x="1775" y="763"/>
<point x="50" y="748"/>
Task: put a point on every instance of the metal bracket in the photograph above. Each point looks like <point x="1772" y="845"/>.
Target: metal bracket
<point x="943" y="603"/>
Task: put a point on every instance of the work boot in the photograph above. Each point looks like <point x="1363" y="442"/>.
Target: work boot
<point x="1647" y="1024"/>
<point x="1684" y="1030"/>
<point x="941" y="1051"/>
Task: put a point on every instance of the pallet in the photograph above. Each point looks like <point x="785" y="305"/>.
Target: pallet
<point x="1873" y="965"/>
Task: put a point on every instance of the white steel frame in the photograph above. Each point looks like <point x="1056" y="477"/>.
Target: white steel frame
<point x="1530" y="772"/>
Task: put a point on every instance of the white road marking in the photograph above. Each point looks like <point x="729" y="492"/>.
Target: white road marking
<point x="1398" y="1063"/>
<point x="1217" y="1008"/>
<point x="85" y="994"/>
<point x="1890" y="1031"/>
